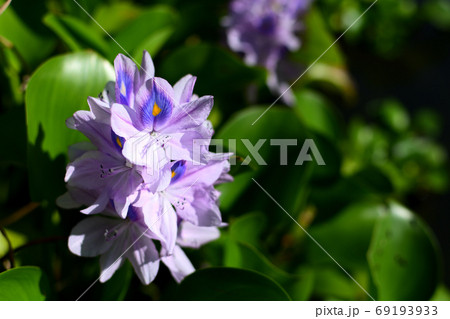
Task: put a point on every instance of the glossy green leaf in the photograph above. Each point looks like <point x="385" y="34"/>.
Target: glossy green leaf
<point x="394" y="116"/>
<point x="22" y="284"/>
<point x="77" y="34"/>
<point x="219" y="72"/>
<point x="16" y="239"/>
<point x="275" y="126"/>
<point x="227" y="284"/>
<point x="318" y="114"/>
<point x="117" y="287"/>
<point x="438" y="13"/>
<point x="442" y="293"/>
<point x="231" y="192"/>
<point x="323" y="57"/>
<point x="148" y="31"/>
<point x="252" y="124"/>
<point x="374" y="179"/>
<point x="154" y="42"/>
<point x="316" y="40"/>
<point x="115" y="16"/>
<point x="403" y="257"/>
<point x="32" y="46"/>
<point x="347" y="236"/>
<point x="56" y="90"/>
<point x="241" y="251"/>
<point x="248" y="228"/>
<point x="333" y="284"/>
<point x="298" y="285"/>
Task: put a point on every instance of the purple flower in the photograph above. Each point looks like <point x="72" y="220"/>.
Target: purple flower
<point x="157" y="121"/>
<point x="117" y="240"/>
<point x="139" y="164"/>
<point x="101" y="168"/>
<point x="190" y="195"/>
<point x="264" y="30"/>
<point x="188" y="236"/>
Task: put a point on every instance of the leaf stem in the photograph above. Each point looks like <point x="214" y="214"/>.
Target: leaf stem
<point x="10" y="249"/>
<point x="17" y="215"/>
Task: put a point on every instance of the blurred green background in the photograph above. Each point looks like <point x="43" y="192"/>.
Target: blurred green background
<point x="376" y="105"/>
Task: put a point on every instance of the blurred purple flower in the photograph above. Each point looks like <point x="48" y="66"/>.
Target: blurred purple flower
<point x="265" y="30"/>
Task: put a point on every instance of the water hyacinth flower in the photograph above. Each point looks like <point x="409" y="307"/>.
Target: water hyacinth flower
<point x="171" y="201"/>
<point x="157" y="121"/>
<point x="264" y="31"/>
<point x="116" y="240"/>
<point x="190" y="197"/>
<point x="101" y="168"/>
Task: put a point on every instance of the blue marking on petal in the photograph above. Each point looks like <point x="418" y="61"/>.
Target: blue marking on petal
<point x="178" y="169"/>
<point x="164" y="104"/>
<point x="133" y="214"/>
<point x="124" y="87"/>
<point x="117" y="141"/>
<point x="158" y="107"/>
<point x="146" y="111"/>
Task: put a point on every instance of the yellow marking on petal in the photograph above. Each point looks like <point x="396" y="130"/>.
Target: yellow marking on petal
<point x="123" y="89"/>
<point x="173" y="174"/>
<point x="119" y="142"/>
<point x="156" y="110"/>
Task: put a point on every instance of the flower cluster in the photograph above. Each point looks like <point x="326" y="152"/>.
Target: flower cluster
<point x="265" y="30"/>
<point x="146" y="173"/>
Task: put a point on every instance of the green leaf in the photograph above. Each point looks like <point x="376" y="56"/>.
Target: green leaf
<point x="403" y="257"/>
<point x="333" y="284"/>
<point x="374" y="180"/>
<point x="299" y="285"/>
<point x="148" y="31"/>
<point x="316" y="40"/>
<point x="220" y="73"/>
<point x="22" y="284"/>
<point x="276" y="124"/>
<point x="115" y="16"/>
<point x="241" y="252"/>
<point x="32" y="46"/>
<point x="116" y="288"/>
<point x="438" y="13"/>
<point x="231" y="192"/>
<point x="16" y="239"/>
<point x="394" y="116"/>
<point x="56" y="90"/>
<point x="442" y="293"/>
<point x="347" y="236"/>
<point x="227" y="284"/>
<point x="324" y="58"/>
<point x="317" y="114"/>
<point x="77" y="34"/>
<point x="248" y="228"/>
<point x="153" y="43"/>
